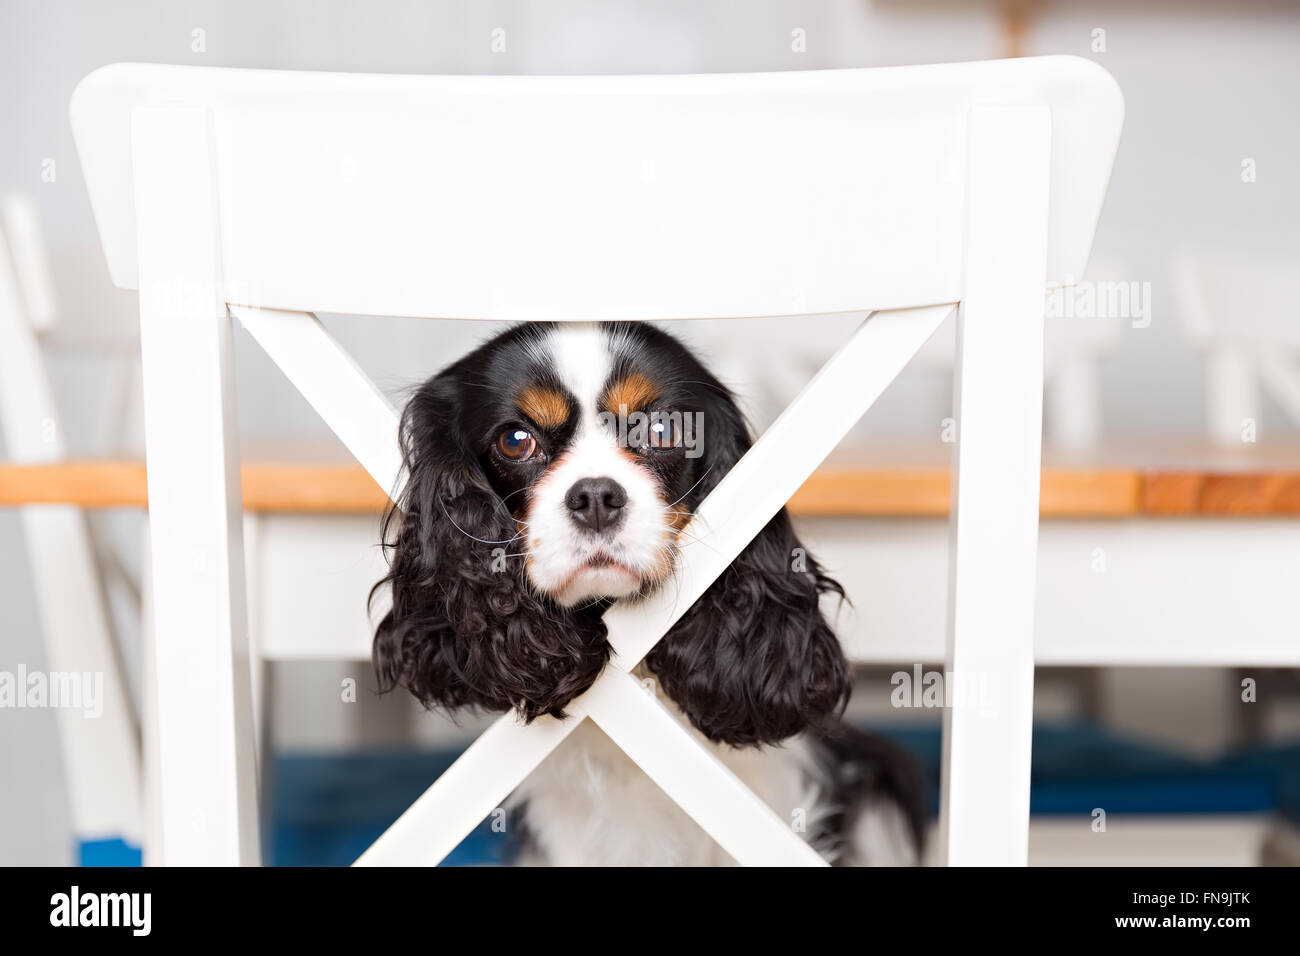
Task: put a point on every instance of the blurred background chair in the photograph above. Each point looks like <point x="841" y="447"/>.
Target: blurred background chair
<point x="772" y="360"/>
<point x="99" y="738"/>
<point x="1241" y="315"/>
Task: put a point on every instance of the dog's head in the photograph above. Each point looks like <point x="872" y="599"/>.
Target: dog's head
<point x="556" y="469"/>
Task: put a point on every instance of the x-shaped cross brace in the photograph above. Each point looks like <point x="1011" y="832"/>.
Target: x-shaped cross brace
<point x="737" y="510"/>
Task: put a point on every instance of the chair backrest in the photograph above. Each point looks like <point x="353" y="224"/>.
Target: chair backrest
<point x="598" y="197"/>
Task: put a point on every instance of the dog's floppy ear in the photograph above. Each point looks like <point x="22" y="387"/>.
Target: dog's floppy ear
<point x="465" y="629"/>
<point x="754" y="661"/>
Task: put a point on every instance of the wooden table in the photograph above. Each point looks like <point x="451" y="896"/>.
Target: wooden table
<point x="919" y="490"/>
<point x="1136" y="564"/>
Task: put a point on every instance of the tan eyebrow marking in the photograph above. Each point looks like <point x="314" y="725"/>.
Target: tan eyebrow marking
<point x="630" y="394"/>
<point x="545" y="406"/>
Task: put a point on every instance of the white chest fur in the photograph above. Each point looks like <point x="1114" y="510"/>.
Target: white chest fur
<point x="588" y="804"/>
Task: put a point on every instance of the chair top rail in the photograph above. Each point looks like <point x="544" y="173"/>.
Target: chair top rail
<point x="598" y="197"/>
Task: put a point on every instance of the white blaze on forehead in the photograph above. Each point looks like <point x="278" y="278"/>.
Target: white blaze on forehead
<point x="582" y="358"/>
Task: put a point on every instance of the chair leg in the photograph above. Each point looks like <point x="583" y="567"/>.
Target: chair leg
<point x="994" y="517"/>
<point x="1231" y="395"/>
<point x="203" y="703"/>
<point x="99" y="748"/>
<point x="150" y="758"/>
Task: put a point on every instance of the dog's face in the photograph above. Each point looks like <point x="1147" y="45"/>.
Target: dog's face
<point x="592" y="437"/>
<point x="555" y="469"/>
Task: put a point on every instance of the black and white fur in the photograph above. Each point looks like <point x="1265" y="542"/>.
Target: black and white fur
<point x="526" y="515"/>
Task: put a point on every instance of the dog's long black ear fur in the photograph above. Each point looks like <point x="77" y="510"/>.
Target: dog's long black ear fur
<point x="754" y="661"/>
<point x="465" y="630"/>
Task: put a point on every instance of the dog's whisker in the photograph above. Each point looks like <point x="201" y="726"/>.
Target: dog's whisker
<point x="474" y="537"/>
<point x="692" y="487"/>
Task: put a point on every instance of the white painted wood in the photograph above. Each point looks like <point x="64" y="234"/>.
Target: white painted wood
<point x="764" y="479"/>
<point x="1073" y="346"/>
<point x="315" y="578"/>
<point x="509" y="750"/>
<point x="1231" y="392"/>
<point x="20" y="222"/>
<point x="1232" y="398"/>
<point x="996" y="468"/>
<point x="758" y="194"/>
<point x="693" y="777"/>
<point x="261" y="673"/>
<point x="1240" y="314"/>
<point x="204" y="705"/>
<point x="335" y="386"/>
<point x="150" y="741"/>
<point x="1122" y="593"/>
<point x="1224" y="296"/>
<point x="32" y="427"/>
<point x="258" y="664"/>
<point x="1134" y="592"/>
<point x="260" y="679"/>
<point x="304" y="620"/>
<point x="1075" y="341"/>
<point x="471" y="788"/>
<point x="804" y="192"/>
<point x="101" y="756"/>
<point x="1280" y="374"/>
<point x="737" y="509"/>
<point x="101" y="753"/>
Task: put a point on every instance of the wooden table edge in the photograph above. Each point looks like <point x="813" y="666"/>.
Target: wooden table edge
<point x="832" y="491"/>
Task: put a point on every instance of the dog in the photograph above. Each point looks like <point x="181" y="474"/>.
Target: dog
<point x="554" y="471"/>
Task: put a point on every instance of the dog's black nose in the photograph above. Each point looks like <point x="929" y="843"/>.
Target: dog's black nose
<point x="596" y="503"/>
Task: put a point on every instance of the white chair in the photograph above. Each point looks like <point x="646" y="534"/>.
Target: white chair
<point x="101" y="754"/>
<point x="768" y="369"/>
<point x="1240" y="314"/>
<point x="268" y="196"/>
<point x="1072" y="350"/>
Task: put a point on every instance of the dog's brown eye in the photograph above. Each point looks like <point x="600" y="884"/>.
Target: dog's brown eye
<point x="517" y="444"/>
<point x="664" y="433"/>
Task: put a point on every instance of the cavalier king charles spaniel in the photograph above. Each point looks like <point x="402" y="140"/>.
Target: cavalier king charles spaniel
<point x="554" y="471"/>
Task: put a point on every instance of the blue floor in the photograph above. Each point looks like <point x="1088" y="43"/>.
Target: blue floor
<point x="107" y="853"/>
<point x="1079" y="767"/>
<point x="327" y="809"/>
